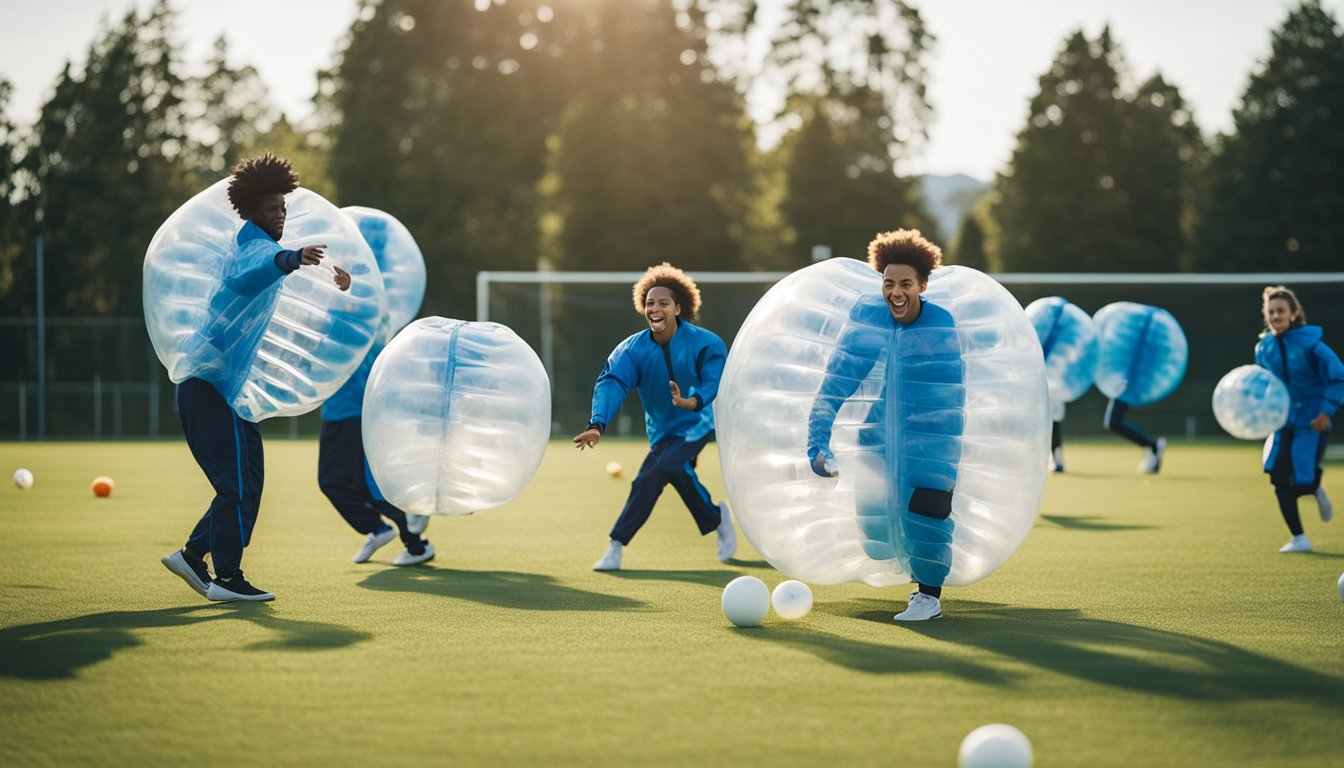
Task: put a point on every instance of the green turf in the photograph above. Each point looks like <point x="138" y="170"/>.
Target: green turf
<point x="1145" y="621"/>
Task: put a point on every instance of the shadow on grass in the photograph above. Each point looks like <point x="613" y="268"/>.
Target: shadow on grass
<point x="1109" y="653"/>
<point x="718" y="579"/>
<point x="1090" y="523"/>
<point x="54" y="650"/>
<point x="503" y="589"/>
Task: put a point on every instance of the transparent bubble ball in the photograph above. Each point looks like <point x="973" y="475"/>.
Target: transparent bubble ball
<point x="1142" y="352"/>
<point x="1251" y="403"/>
<point x="456" y="417"/>
<point x="400" y="262"/>
<point x="1069" y="342"/>
<point x="806" y="526"/>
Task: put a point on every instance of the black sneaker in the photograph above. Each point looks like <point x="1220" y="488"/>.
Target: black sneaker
<point x="191" y="568"/>
<point x="236" y="588"/>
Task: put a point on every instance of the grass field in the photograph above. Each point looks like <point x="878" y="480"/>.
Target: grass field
<point x="1146" y="621"/>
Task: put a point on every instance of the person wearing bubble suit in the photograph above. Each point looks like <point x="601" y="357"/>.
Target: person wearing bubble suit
<point x="926" y="345"/>
<point x="1069" y="342"/>
<point x="343" y="471"/>
<point x="676" y="367"/>
<point x="228" y="447"/>
<point x="1294" y="352"/>
<point x="1142" y="358"/>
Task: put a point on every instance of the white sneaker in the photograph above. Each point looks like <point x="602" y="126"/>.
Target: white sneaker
<point x="1298" y="543"/>
<point x="1323" y="501"/>
<point x="416" y="523"/>
<point x="922" y="607"/>
<point x="612" y="560"/>
<point x="726" y="534"/>
<point x="1152" y="463"/>
<point x="406" y="558"/>
<point x="1057" y="460"/>
<point x="375" y="541"/>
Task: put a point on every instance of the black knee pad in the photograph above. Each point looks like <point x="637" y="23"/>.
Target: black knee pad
<point x="931" y="503"/>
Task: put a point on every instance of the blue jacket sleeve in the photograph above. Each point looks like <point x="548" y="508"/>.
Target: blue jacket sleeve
<point x="711" y="361"/>
<point x="1327" y="363"/>
<point x="845" y="371"/>
<point x="255" y="268"/>
<point x="615" y="381"/>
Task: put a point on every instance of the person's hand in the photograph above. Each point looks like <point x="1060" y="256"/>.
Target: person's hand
<point x="823" y="466"/>
<point x="312" y="254"/>
<point x="342" y="278"/>
<point x="688" y="403"/>
<point x="587" y="438"/>
<point x="1321" y="422"/>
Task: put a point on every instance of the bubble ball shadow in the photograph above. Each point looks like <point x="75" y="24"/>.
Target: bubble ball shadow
<point x="57" y="650"/>
<point x="715" y="578"/>
<point x="502" y="589"/>
<point x="1111" y="653"/>
<point x="1090" y="523"/>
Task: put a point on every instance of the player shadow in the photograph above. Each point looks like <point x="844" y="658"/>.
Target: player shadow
<point x="1090" y="523"/>
<point x="502" y="589"/>
<point x="718" y="578"/>
<point x="875" y="658"/>
<point x="56" y="650"/>
<point x="1111" y="653"/>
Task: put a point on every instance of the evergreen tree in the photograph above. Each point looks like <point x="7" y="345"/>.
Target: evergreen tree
<point x="969" y="247"/>
<point x="1275" y="201"/>
<point x="1095" y="183"/>
<point x="651" y="159"/>
<point x="438" y="114"/>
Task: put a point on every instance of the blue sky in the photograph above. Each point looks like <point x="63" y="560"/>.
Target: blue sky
<point x="984" y="68"/>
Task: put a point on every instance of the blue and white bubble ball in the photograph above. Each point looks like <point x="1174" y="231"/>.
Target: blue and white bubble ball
<point x="1069" y="343"/>
<point x="807" y="526"/>
<point x="400" y="262"/>
<point x="456" y="417"/>
<point x="1142" y="352"/>
<point x="1251" y="403"/>
<point x="295" y="356"/>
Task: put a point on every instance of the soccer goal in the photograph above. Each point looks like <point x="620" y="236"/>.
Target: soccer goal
<point x="574" y="319"/>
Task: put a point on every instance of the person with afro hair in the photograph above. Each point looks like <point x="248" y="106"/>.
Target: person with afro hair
<point x="923" y="399"/>
<point x="226" y="446"/>
<point x="676" y="367"/>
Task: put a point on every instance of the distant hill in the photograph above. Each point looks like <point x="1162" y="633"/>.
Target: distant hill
<point x="947" y="199"/>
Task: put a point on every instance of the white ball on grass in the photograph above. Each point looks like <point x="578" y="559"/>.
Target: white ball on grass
<point x="23" y="478"/>
<point x="792" y="599"/>
<point x="746" y="600"/>
<point x="995" y="746"/>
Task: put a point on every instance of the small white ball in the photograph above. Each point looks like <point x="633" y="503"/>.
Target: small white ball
<point x="995" y="746"/>
<point x="746" y="600"/>
<point x="614" y="468"/>
<point x="23" y="478"/>
<point x="792" y="599"/>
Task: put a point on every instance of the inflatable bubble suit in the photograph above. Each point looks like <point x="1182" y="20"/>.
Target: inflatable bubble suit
<point x="1251" y="403"/>
<point x="277" y="354"/>
<point x="399" y="260"/>
<point x="456" y="417"/>
<point x="1142" y="352"/>
<point x="807" y="526"/>
<point x="1069" y="342"/>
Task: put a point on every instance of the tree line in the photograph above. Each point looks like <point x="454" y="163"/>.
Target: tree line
<point x="613" y="134"/>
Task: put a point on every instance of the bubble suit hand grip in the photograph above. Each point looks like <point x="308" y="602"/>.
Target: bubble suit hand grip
<point x="1251" y="403"/>
<point x="1142" y="352"/>
<point x="807" y="526"/>
<point x="1069" y="342"/>
<point x="277" y="352"/>
<point x="456" y="417"/>
<point x="400" y="262"/>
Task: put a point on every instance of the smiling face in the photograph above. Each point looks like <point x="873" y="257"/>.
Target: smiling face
<point x="270" y="215"/>
<point x="900" y="289"/>
<point x="661" y="310"/>
<point x="1279" y="315"/>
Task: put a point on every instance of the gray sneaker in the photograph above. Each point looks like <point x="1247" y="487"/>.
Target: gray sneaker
<point x="726" y="534"/>
<point x="236" y="588"/>
<point x="190" y="568"/>
<point x="424" y="556"/>
<point x="612" y="560"/>
<point x="375" y="541"/>
<point x="1323" y="501"/>
<point x="922" y="607"/>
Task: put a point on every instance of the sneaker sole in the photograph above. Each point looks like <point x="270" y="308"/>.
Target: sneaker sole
<point x="189" y="576"/>
<point x="233" y="597"/>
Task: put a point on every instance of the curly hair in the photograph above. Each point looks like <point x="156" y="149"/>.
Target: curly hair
<point x="667" y="276"/>
<point x="256" y="177"/>
<point x="1284" y="292"/>
<point x="905" y="246"/>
